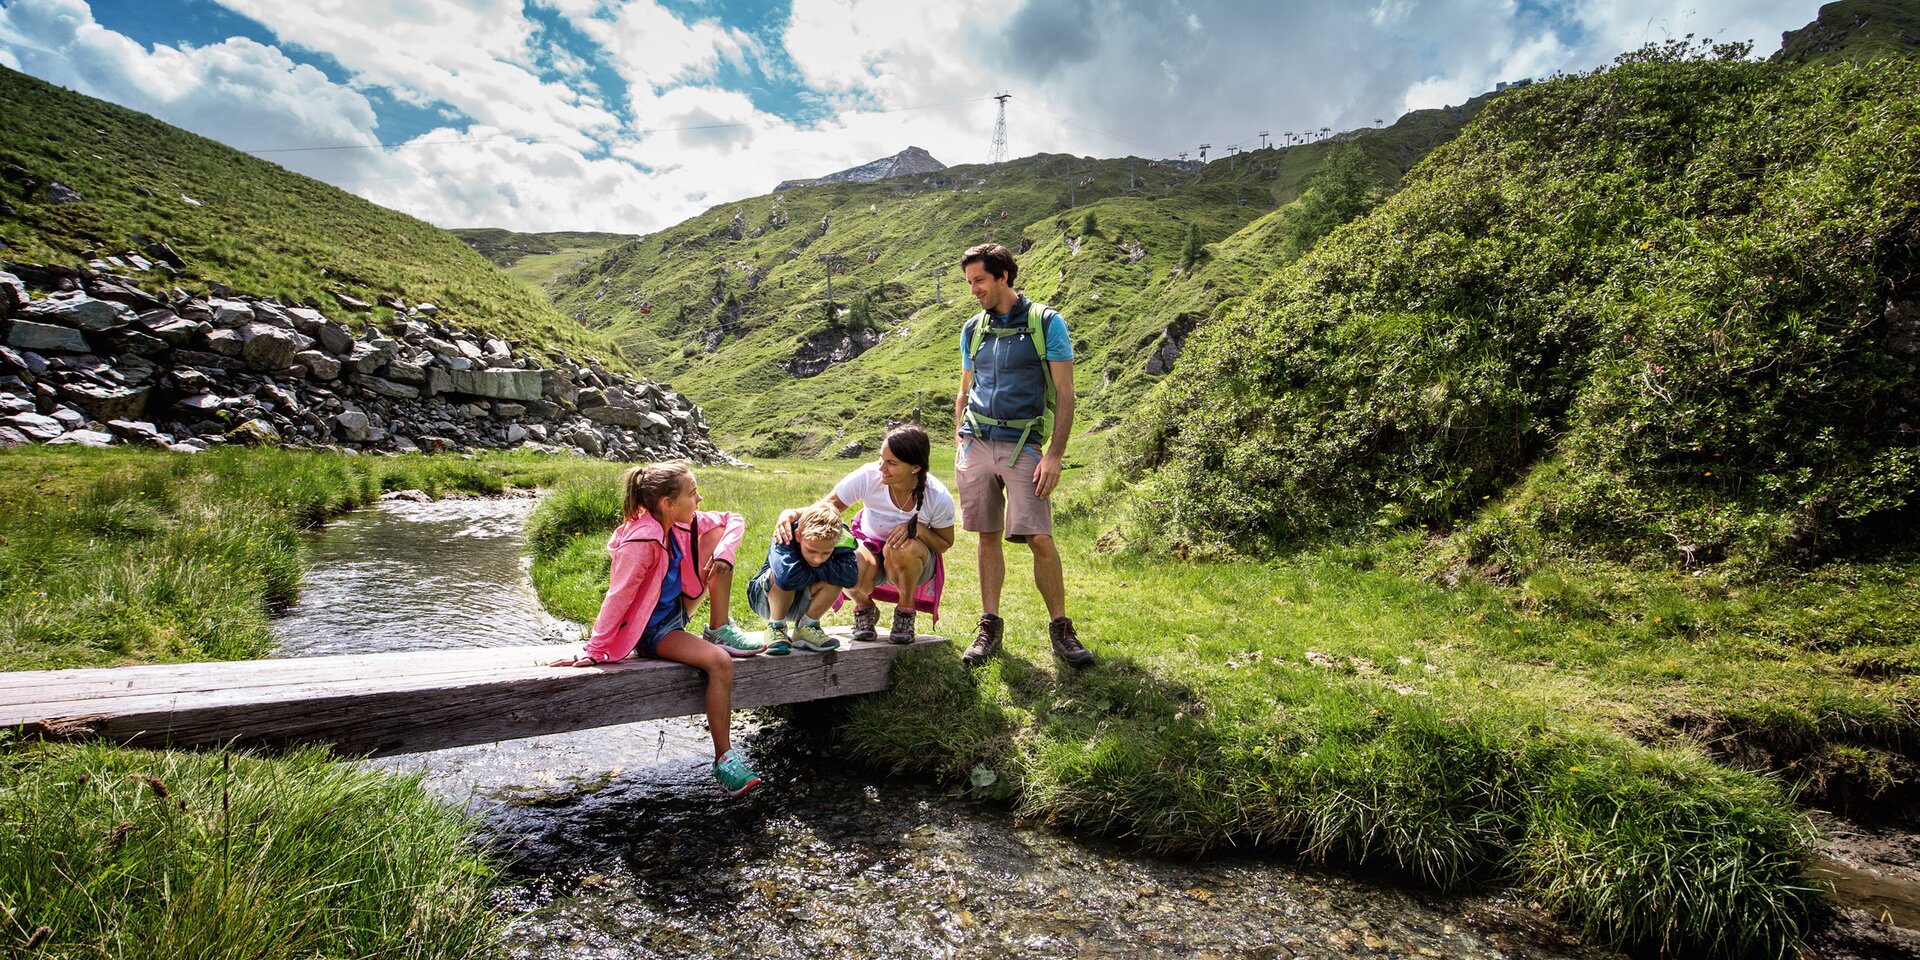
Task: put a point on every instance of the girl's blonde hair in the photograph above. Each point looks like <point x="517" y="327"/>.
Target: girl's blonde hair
<point x="649" y="483"/>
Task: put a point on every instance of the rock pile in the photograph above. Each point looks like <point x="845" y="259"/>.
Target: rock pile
<point x="89" y="357"/>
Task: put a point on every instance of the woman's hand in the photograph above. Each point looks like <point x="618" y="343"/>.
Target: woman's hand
<point x="897" y="537"/>
<point x="783" y="527"/>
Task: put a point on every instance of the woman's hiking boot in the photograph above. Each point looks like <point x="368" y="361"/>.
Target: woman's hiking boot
<point x="905" y="629"/>
<point x="866" y="623"/>
<point x="986" y="640"/>
<point x="1066" y="643"/>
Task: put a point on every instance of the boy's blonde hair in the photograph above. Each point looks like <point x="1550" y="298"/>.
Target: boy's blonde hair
<point x="818" y="522"/>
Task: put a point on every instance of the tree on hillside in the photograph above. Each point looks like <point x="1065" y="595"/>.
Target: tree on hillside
<point x="1088" y="225"/>
<point x="1344" y="189"/>
<point x="1190" y="252"/>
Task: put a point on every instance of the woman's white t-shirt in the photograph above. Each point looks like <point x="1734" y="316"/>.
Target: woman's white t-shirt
<point x="863" y="486"/>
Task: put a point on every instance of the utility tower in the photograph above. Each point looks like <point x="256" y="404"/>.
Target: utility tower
<point x="998" y="154"/>
<point x="1263" y="139"/>
<point x="1203" y="151"/>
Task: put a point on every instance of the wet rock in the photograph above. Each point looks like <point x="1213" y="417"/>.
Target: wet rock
<point x="355" y="304"/>
<point x="122" y="292"/>
<point x="160" y="251"/>
<point x="60" y="194"/>
<point x="29" y="335"/>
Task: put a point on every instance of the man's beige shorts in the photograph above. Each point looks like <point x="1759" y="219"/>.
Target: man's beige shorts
<point x="995" y="496"/>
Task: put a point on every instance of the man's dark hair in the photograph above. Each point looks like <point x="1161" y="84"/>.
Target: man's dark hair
<point x="997" y="260"/>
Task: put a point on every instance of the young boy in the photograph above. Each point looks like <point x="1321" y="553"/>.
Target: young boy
<point x="801" y="579"/>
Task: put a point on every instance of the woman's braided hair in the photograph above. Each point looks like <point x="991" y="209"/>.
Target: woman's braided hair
<point x="910" y="446"/>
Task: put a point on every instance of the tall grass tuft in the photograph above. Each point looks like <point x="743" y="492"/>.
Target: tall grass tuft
<point x="164" y="854"/>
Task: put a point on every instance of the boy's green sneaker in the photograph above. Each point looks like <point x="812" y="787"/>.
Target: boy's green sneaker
<point x="734" y="776"/>
<point x="729" y="638"/>
<point x="809" y="637"/>
<point x="779" y="642"/>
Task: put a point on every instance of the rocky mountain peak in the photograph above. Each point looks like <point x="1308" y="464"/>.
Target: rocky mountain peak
<point x="908" y="162"/>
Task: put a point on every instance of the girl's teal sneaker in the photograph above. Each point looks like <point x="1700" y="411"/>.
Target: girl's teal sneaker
<point x="729" y="638"/>
<point x="734" y="776"/>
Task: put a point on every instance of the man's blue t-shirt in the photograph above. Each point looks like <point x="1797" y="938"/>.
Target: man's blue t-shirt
<point x="1059" y="342"/>
<point x="668" y="609"/>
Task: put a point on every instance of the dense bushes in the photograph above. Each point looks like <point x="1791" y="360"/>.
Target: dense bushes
<point x="1674" y="297"/>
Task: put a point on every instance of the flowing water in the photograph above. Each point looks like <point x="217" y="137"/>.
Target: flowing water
<point x="622" y="846"/>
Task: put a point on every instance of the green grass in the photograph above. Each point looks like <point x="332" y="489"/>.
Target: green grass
<point x="123" y="556"/>
<point x="120" y="853"/>
<point x="1573" y="735"/>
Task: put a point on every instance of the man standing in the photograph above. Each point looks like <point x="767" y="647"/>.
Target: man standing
<point x="1014" y="414"/>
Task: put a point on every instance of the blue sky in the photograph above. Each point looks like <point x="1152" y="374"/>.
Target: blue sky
<point x="632" y="115"/>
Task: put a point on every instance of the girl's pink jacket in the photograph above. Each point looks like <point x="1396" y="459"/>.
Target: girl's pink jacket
<point x="639" y="552"/>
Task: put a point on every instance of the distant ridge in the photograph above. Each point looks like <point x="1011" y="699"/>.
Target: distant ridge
<point x="907" y="162"/>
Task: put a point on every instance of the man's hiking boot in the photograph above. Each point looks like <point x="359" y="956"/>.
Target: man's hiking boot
<point x="866" y="623"/>
<point x="986" y="640"/>
<point x="1066" y="643"/>
<point x="734" y="775"/>
<point x="905" y="628"/>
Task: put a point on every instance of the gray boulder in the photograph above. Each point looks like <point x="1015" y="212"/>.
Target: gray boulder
<point x="13" y="293"/>
<point x="335" y="338"/>
<point x="60" y="193"/>
<point x="79" y="311"/>
<point x="36" y="426"/>
<point x="254" y="432"/>
<point x="319" y="366"/>
<point x="353" y="425"/>
<point x="27" y="335"/>
<point x="617" y="416"/>
<point x="406" y="372"/>
<point x="231" y="313"/>
<point x="226" y="342"/>
<point x="84" y="438"/>
<point x="105" y="403"/>
<point x="520" y="385"/>
<point x="268" y="347"/>
<point x="387" y="388"/>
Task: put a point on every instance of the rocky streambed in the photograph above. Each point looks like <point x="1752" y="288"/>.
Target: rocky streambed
<point x="620" y="845"/>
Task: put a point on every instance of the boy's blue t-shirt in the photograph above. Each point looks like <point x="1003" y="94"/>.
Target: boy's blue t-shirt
<point x="668" y="608"/>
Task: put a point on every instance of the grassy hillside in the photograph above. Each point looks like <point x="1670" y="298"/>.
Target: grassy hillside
<point x="1857" y="30"/>
<point x="233" y="219"/>
<point x="1666" y="309"/>
<point x="537" y="258"/>
<point x="723" y="303"/>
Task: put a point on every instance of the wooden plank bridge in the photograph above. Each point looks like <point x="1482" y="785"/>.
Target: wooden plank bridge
<point x="385" y="703"/>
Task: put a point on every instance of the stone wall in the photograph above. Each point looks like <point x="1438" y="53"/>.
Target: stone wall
<point x="90" y="357"/>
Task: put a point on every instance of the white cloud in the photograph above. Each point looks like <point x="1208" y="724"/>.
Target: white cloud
<point x="649" y="46"/>
<point x="475" y="55"/>
<point x="237" y="91"/>
<point x="1624" y="25"/>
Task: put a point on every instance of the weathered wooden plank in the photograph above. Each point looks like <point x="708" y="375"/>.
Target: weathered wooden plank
<point x="379" y="704"/>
